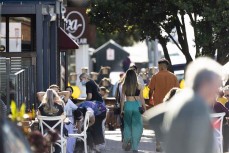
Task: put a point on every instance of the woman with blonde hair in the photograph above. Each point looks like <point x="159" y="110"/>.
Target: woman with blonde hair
<point x="131" y="102"/>
<point x="52" y="104"/>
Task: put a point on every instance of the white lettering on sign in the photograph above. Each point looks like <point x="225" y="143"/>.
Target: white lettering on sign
<point x="81" y="41"/>
<point x="110" y="54"/>
<point x="75" y="24"/>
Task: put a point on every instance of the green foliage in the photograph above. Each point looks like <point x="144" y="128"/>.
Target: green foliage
<point x="139" y="19"/>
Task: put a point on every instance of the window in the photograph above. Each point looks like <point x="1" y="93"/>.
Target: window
<point x="3" y="33"/>
<point x="16" y="34"/>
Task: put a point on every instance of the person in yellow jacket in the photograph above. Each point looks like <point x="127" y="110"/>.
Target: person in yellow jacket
<point x="221" y="97"/>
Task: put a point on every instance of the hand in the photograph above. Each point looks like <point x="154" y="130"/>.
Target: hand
<point x="122" y="114"/>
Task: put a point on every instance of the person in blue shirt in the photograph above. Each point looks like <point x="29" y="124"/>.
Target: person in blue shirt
<point x="98" y="111"/>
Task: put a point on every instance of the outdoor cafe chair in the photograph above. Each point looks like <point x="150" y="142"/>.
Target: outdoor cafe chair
<point x="217" y="119"/>
<point x="59" y="122"/>
<point x="83" y="134"/>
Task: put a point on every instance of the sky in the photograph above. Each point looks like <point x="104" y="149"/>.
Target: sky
<point x="139" y="51"/>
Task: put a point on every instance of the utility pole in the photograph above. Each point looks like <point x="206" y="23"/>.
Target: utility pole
<point x="150" y="53"/>
<point x="152" y="46"/>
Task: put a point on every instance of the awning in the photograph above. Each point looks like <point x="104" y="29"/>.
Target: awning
<point x="65" y="42"/>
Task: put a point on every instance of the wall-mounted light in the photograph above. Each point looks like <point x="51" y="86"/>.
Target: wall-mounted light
<point x="52" y="14"/>
<point x="2" y="48"/>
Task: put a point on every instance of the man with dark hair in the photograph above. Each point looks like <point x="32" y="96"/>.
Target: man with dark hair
<point x="162" y="82"/>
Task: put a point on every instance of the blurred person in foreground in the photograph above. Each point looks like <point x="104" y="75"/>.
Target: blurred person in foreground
<point x="132" y="99"/>
<point x="162" y="82"/>
<point x="12" y="138"/>
<point x="187" y="121"/>
<point x="158" y="112"/>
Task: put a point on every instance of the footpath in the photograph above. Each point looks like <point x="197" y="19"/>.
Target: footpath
<point x="114" y="145"/>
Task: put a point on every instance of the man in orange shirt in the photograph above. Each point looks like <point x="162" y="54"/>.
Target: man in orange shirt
<point x="162" y="82"/>
<point x="159" y="86"/>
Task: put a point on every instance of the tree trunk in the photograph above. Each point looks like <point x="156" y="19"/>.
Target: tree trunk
<point x="182" y="41"/>
<point x="163" y="43"/>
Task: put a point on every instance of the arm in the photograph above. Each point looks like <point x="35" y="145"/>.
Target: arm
<point x="89" y="96"/>
<point x="89" y="91"/>
<point x="142" y="99"/>
<point x="78" y="126"/>
<point x="91" y="120"/>
<point x="66" y="95"/>
<point x="177" y="82"/>
<point x="72" y="105"/>
<point x="220" y="108"/>
<point x="152" y="86"/>
<point x="40" y="95"/>
<point x="122" y="101"/>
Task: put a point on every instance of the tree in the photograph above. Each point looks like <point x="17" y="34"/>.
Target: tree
<point x="155" y="17"/>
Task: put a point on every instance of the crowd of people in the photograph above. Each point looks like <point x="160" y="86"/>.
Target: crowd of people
<point x="180" y="117"/>
<point x="55" y="102"/>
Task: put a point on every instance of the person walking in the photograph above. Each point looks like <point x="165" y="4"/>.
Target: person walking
<point x="162" y="82"/>
<point x="132" y="100"/>
<point x="187" y="123"/>
<point x="118" y="95"/>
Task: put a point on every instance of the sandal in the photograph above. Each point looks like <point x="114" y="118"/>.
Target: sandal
<point x="126" y="146"/>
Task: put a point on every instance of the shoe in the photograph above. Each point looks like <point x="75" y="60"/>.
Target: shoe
<point x="102" y="146"/>
<point x="126" y="146"/>
<point x="158" y="147"/>
<point x="97" y="148"/>
<point x="158" y="150"/>
<point x="135" y="151"/>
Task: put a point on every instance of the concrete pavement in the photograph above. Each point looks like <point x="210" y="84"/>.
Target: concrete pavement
<point x="114" y="145"/>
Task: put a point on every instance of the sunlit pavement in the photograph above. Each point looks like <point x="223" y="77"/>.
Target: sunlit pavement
<point x="114" y="145"/>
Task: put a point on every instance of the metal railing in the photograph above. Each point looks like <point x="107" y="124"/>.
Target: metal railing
<point x="17" y="83"/>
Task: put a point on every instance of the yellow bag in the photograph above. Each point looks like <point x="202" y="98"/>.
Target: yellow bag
<point x="146" y="92"/>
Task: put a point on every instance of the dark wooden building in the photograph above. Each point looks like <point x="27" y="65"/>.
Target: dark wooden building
<point x="109" y="54"/>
